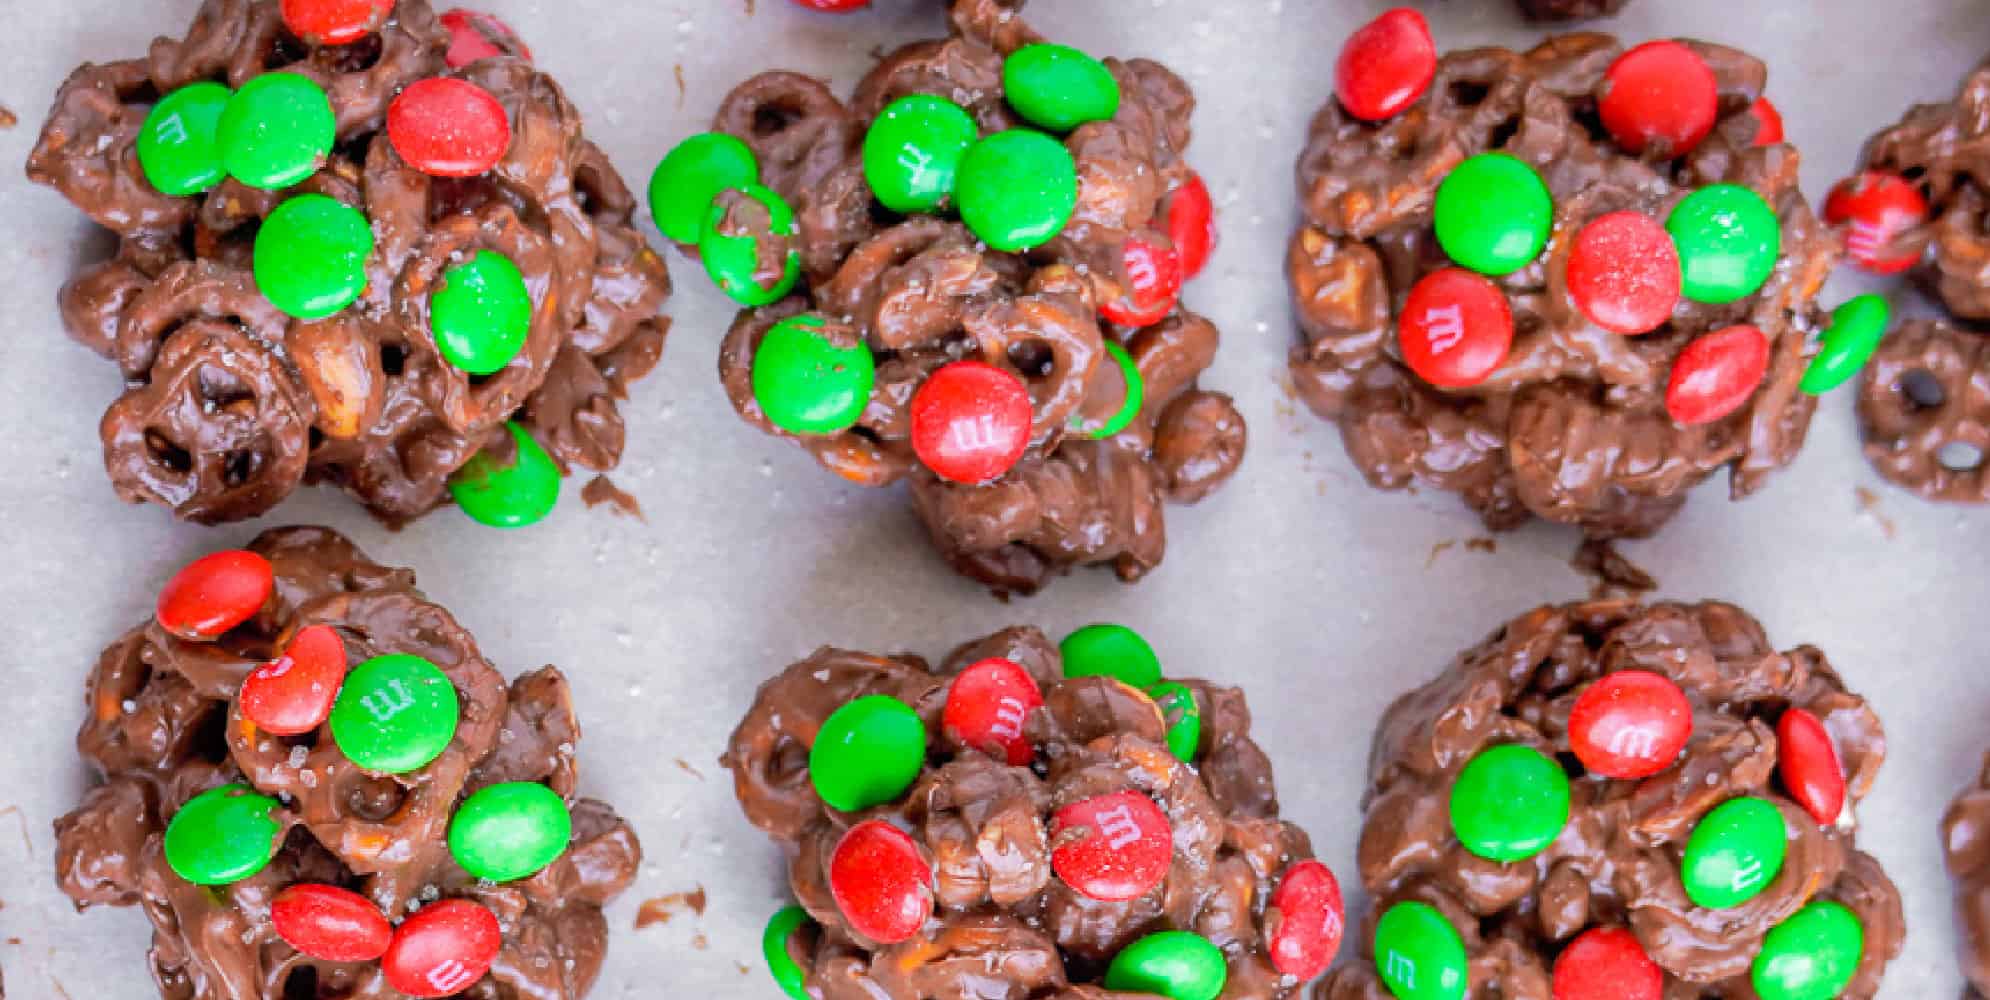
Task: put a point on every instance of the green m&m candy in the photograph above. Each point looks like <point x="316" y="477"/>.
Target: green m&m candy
<point x="749" y="245"/>
<point x="1728" y="241"/>
<point x="310" y="256"/>
<point x="508" y="492"/>
<point x="807" y="385"/>
<point x="1734" y="852"/>
<point x="509" y="831"/>
<point x="1129" y="405"/>
<point x="395" y="713"/>
<point x="1179" y="965"/>
<point x="1855" y="331"/>
<point x="222" y="835"/>
<point x="868" y="752"/>
<point x="1493" y="214"/>
<point x="788" y="974"/>
<point x="913" y="151"/>
<point x="277" y="130"/>
<point x="177" y="146"/>
<point x="1509" y="802"/>
<point x="1418" y="954"/>
<point x="1058" y="87"/>
<point x="481" y="313"/>
<point x="1111" y="650"/>
<point x="1184" y="718"/>
<point x="1017" y="189"/>
<point x="1812" y="955"/>
<point x="691" y="175"/>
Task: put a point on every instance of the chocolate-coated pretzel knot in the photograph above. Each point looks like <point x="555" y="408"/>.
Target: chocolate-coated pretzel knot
<point x="1925" y="409"/>
<point x="221" y="427"/>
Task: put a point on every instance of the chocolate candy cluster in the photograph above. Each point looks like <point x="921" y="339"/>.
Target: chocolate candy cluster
<point x="1570" y="282"/>
<point x="358" y="244"/>
<point x="316" y="787"/>
<point x="1047" y="818"/>
<point x="1917" y="207"/>
<point x="1609" y="801"/>
<point x="967" y="275"/>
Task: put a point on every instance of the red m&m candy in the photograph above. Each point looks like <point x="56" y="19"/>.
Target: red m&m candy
<point x="834" y="6"/>
<point x="987" y="705"/>
<point x="442" y="949"/>
<point x="971" y="422"/>
<point x="1154" y="279"/>
<point x="1769" y="127"/>
<point x="1607" y="963"/>
<point x="1630" y="724"/>
<point x="1385" y="65"/>
<point x="881" y="883"/>
<point x="1302" y="941"/>
<point x="1808" y="764"/>
<point x="1112" y="847"/>
<point x="1876" y="207"/>
<point x="1716" y="373"/>
<point x="1660" y="96"/>
<point x="294" y="693"/>
<point x="474" y="35"/>
<point x="1456" y="328"/>
<point x="1192" y="224"/>
<point x="334" y="22"/>
<point x="330" y="924"/>
<point x="446" y="127"/>
<point x="214" y="594"/>
<point x="1623" y="272"/>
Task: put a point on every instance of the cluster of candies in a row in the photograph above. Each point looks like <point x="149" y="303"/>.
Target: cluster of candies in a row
<point x="1626" y="270"/>
<point x="924" y="154"/>
<point x="1113" y="847"/>
<point x="309" y="257"/>
<point x="1511" y="801"/>
<point x="389" y="715"/>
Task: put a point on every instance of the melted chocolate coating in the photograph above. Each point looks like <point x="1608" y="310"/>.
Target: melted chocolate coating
<point x="162" y="725"/>
<point x="1927" y="389"/>
<point x="230" y="404"/>
<point x="922" y="291"/>
<point x="1569" y="10"/>
<point x="1616" y="863"/>
<point x="1005" y="926"/>
<point x="1928" y="386"/>
<point x="1572" y="427"/>
<point x="1966" y="849"/>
